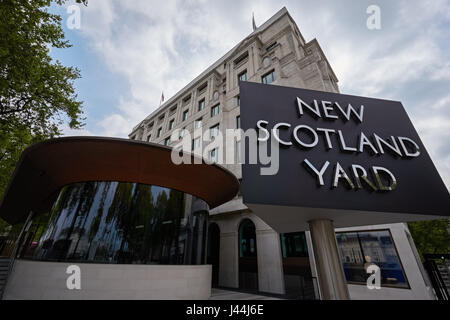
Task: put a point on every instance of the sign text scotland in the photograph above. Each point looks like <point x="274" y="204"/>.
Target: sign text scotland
<point x="307" y="137"/>
<point x="339" y="155"/>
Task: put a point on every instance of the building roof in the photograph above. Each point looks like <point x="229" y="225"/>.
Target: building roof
<point x="44" y="168"/>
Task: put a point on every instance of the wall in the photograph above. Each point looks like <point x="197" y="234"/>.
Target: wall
<point x="270" y="266"/>
<point x="47" y="280"/>
<point x="296" y="64"/>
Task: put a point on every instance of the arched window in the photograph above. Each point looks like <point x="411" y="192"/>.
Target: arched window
<point x="248" y="262"/>
<point x="213" y="256"/>
<point x="247" y="239"/>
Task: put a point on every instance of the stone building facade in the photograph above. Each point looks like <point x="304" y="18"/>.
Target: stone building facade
<point x="275" y="53"/>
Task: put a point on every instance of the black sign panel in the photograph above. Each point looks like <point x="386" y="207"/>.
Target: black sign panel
<point x="339" y="154"/>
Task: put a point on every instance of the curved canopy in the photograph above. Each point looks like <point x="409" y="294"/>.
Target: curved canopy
<point x="47" y="166"/>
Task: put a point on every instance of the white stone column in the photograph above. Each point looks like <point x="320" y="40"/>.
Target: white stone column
<point x="270" y="264"/>
<point x="330" y="272"/>
<point x="228" y="260"/>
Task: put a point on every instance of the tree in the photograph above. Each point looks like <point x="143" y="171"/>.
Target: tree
<point x="37" y="94"/>
<point x="431" y="236"/>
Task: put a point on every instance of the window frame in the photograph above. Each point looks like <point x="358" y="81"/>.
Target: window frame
<point x="264" y="76"/>
<point x="193" y="147"/>
<point x="186" y="100"/>
<point x="171" y="124"/>
<point x="197" y="121"/>
<point x="242" y="73"/>
<point x="181" y="133"/>
<point x="213" y="129"/>
<point x="173" y="110"/>
<point x="185" y="115"/>
<point x="216" y="151"/>
<point x="247" y="253"/>
<point x="285" y="237"/>
<point x="408" y="286"/>
<point x="202" y="88"/>
<point x="240" y="59"/>
<point x="201" y="102"/>
<point x="167" y="141"/>
<point x="213" y="108"/>
<point x="271" y="46"/>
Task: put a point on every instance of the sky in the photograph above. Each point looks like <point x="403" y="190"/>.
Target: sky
<point x="129" y="52"/>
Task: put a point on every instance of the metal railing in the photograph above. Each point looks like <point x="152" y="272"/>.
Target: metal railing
<point x="431" y="265"/>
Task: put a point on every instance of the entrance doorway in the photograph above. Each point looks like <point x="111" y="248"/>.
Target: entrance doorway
<point x="298" y="280"/>
<point x="213" y="252"/>
<point x="248" y="263"/>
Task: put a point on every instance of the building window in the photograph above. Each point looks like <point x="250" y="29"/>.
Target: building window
<point x="238" y="100"/>
<point x="214" y="131"/>
<point x="181" y="135"/>
<point x="195" y="143"/>
<point x="215" y="110"/>
<point x="359" y="250"/>
<point x="172" y="110"/>
<point x="187" y="100"/>
<point x="238" y="122"/>
<point x="158" y="133"/>
<point x="202" y="88"/>
<point x="247" y="239"/>
<point x="213" y="155"/>
<point x="171" y="124"/>
<point x="198" y="123"/>
<point x="119" y="223"/>
<point x="242" y="76"/>
<point x="273" y="45"/>
<point x="241" y="59"/>
<point x="149" y="137"/>
<point x="201" y="105"/>
<point x="167" y="141"/>
<point x="293" y="245"/>
<point x="268" y="77"/>
<point x="185" y="115"/>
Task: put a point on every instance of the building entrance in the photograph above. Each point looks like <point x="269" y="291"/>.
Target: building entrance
<point x="214" y="252"/>
<point x="298" y="280"/>
<point x="248" y="263"/>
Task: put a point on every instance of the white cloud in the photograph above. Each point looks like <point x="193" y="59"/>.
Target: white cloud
<point x="158" y="46"/>
<point x="371" y="70"/>
<point x="115" y="125"/>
